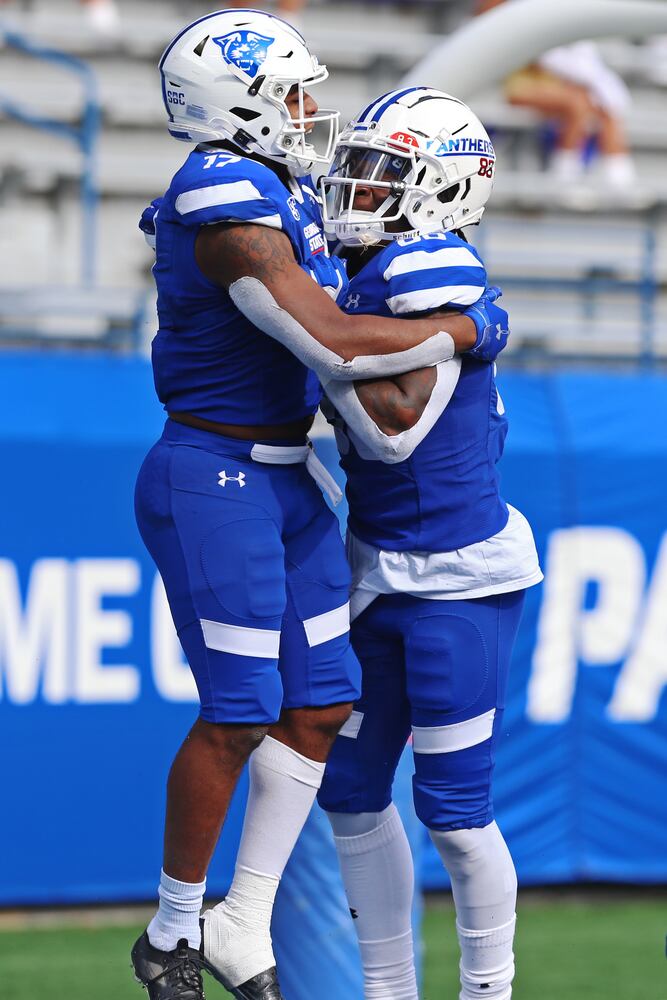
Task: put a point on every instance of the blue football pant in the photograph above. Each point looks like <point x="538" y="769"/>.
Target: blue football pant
<point x="436" y="670"/>
<point x="255" y="573"/>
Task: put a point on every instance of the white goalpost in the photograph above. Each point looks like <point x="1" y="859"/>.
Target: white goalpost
<point x="488" y="48"/>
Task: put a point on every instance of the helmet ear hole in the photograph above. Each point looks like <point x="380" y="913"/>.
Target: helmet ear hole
<point x="450" y="194"/>
<point x="199" y="48"/>
<point x="245" y="114"/>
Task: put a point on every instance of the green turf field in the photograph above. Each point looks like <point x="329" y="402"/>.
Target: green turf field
<point x="565" y="951"/>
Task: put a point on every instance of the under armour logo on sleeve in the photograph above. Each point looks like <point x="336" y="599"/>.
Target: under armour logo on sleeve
<point x="224" y="479"/>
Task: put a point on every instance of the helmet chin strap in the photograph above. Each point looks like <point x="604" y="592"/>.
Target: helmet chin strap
<point x="370" y="239"/>
<point x="380" y="234"/>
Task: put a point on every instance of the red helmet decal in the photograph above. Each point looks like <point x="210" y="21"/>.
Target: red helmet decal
<point x="405" y="139"/>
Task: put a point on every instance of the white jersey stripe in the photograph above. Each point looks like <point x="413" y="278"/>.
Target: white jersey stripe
<point x="431" y="298"/>
<point x="272" y="221"/>
<point x="217" y="194"/>
<point x="260" y="642"/>
<point x="457" y="736"/>
<point x="422" y="260"/>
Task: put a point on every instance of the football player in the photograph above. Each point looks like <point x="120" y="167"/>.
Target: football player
<point x="439" y="561"/>
<point x="227" y="502"/>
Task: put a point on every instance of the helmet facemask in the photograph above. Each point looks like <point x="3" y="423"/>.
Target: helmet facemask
<point x="358" y="166"/>
<point x="433" y="183"/>
<point x="302" y="142"/>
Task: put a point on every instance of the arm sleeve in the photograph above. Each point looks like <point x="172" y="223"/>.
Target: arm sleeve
<point x="255" y="301"/>
<point x="419" y="277"/>
<point x="396" y="447"/>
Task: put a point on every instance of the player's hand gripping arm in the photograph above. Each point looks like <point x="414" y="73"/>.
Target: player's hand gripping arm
<point x="257" y="266"/>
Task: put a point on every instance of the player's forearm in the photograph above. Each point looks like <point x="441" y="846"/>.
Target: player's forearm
<point x="355" y="336"/>
<point x="229" y="255"/>
<point x="384" y="423"/>
<point x="395" y="405"/>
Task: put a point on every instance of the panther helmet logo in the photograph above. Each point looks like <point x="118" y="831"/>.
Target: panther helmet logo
<point x="246" y="50"/>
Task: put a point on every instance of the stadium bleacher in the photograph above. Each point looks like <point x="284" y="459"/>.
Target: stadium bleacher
<point x="598" y="260"/>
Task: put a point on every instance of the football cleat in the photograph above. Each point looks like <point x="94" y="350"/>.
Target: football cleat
<point x="263" y="986"/>
<point x="170" y="975"/>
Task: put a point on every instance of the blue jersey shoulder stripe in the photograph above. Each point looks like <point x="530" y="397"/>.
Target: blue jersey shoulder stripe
<point x="437" y="277"/>
<point x="436" y="253"/>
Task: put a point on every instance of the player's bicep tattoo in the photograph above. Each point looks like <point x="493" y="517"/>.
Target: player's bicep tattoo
<point x="229" y="251"/>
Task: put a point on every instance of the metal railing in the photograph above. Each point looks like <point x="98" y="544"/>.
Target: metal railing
<point x="84" y="135"/>
<point x="620" y="263"/>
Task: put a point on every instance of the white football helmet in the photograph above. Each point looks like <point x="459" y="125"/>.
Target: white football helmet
<point x="226" y="76"/>
<point x="429" y="152"/>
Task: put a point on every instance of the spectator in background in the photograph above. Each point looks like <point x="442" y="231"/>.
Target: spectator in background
<point x="572" y="85"/>
<point x="102" y="15"/>
<point x="289" y="9"/>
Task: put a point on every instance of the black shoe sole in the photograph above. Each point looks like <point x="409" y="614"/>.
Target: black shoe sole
<point x="250" y="990"/>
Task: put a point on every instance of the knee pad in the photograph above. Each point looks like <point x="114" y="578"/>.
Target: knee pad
<point x="452" y="791"/>
<point x="482" y="873"/>
<point x="347" y="788"/>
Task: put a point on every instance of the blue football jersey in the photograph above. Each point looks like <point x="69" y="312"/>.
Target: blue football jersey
<point x="208" y="359"/>
<point x="445" y="495"/>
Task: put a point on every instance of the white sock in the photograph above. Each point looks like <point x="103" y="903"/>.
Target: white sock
<point x="618" y="171"/>
<point x="566" y="165"/>
<point x="376" y="865"/>
<point x="487" y="962"/>
<point x="178" y="914"/>
<point x="237" y="932"/>
<point x="484" y="888"/>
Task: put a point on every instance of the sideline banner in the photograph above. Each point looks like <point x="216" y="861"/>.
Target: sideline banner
<point x="95" y="696"/>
